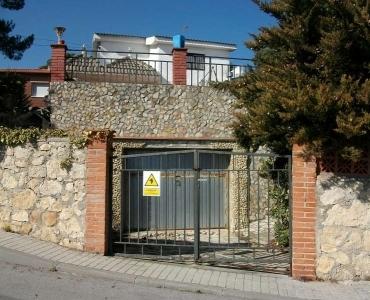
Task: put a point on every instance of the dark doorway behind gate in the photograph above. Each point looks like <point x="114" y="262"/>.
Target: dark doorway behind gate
<point x="174" y="209"/>
<point x="213" y="206"/>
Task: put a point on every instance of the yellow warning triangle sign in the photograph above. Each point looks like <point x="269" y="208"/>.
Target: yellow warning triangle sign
<point x="151" y="181"/>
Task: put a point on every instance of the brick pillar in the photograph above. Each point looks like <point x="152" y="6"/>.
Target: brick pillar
<point x="303" y="216"/>
<point x="58" y="61"/>
<point x="97" y="208"/>
<point x="179" y="66"/>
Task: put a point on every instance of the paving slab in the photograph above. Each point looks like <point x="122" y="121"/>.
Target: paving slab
<point x="214" y="280"/>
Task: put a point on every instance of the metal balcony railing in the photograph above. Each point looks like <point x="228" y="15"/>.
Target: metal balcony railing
<point x="149" y="68"/>
<point x="215" y="69"/>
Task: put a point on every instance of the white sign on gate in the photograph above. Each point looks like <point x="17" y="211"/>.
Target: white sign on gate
<point x="152" y="183"/>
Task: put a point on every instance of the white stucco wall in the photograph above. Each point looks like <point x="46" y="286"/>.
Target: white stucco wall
<point x="158" y="55"/>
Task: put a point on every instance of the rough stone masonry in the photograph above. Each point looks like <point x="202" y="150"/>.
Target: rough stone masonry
<point x="140" y="110"/>
<point x="343" y="233"/>
<point x="40" y="198"/>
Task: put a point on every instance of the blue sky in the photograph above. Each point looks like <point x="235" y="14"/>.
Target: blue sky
<point x="218" y="20"/>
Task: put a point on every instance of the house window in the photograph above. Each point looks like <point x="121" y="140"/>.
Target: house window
<point x="195" y="61"/>
<point x="39" y="89"/>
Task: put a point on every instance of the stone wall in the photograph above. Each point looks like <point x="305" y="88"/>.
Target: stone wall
<point x="139" y="110"/>
<point x="343" y="233"/>
<point x="38" y="197"/>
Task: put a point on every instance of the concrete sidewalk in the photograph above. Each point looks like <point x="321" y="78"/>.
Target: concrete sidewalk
<point x="203" y="279"/>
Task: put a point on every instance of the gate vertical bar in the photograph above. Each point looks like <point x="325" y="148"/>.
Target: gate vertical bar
<point x="196" y="199"/>
<point x="122" y="173"/>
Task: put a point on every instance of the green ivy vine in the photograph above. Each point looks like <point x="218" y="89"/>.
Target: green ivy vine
<point x="279" y="197"/>
<point x="19" y="136"/>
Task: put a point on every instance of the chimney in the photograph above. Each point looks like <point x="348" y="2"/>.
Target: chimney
<point x="179" y="54"/>
<point x="58" y="57"/>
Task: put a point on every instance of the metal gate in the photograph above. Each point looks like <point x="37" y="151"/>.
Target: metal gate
<point x="214" y="207"/>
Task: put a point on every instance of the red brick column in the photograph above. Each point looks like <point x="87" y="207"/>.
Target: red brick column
<point x="58" y="61"/>
<point x="179" y="66"/>
<point x="303" y="216"/>
<point x="97" y="212"/>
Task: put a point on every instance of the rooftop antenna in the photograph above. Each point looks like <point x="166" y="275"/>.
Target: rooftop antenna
<point x="59" y="30"/>
<point x="184" y="29"/>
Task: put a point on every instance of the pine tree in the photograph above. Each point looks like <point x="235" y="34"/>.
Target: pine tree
<point x="12" y="46"/>
<point x="310" y="80"/>
<point x="15" y="108"/>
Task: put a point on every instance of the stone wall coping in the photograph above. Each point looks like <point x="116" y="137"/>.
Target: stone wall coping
<point x="54" y="139"/>
<point x="160" y="138"/>
<point x="138" y="85"/>
<point x="45" y="140"/>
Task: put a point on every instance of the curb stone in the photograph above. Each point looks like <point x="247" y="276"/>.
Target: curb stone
<point x="250" y="283"/>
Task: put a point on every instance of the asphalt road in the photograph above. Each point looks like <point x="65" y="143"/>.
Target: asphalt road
<point x="27" y="277"/>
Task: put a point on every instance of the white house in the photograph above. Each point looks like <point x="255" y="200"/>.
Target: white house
<point x="207" y="60"/>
